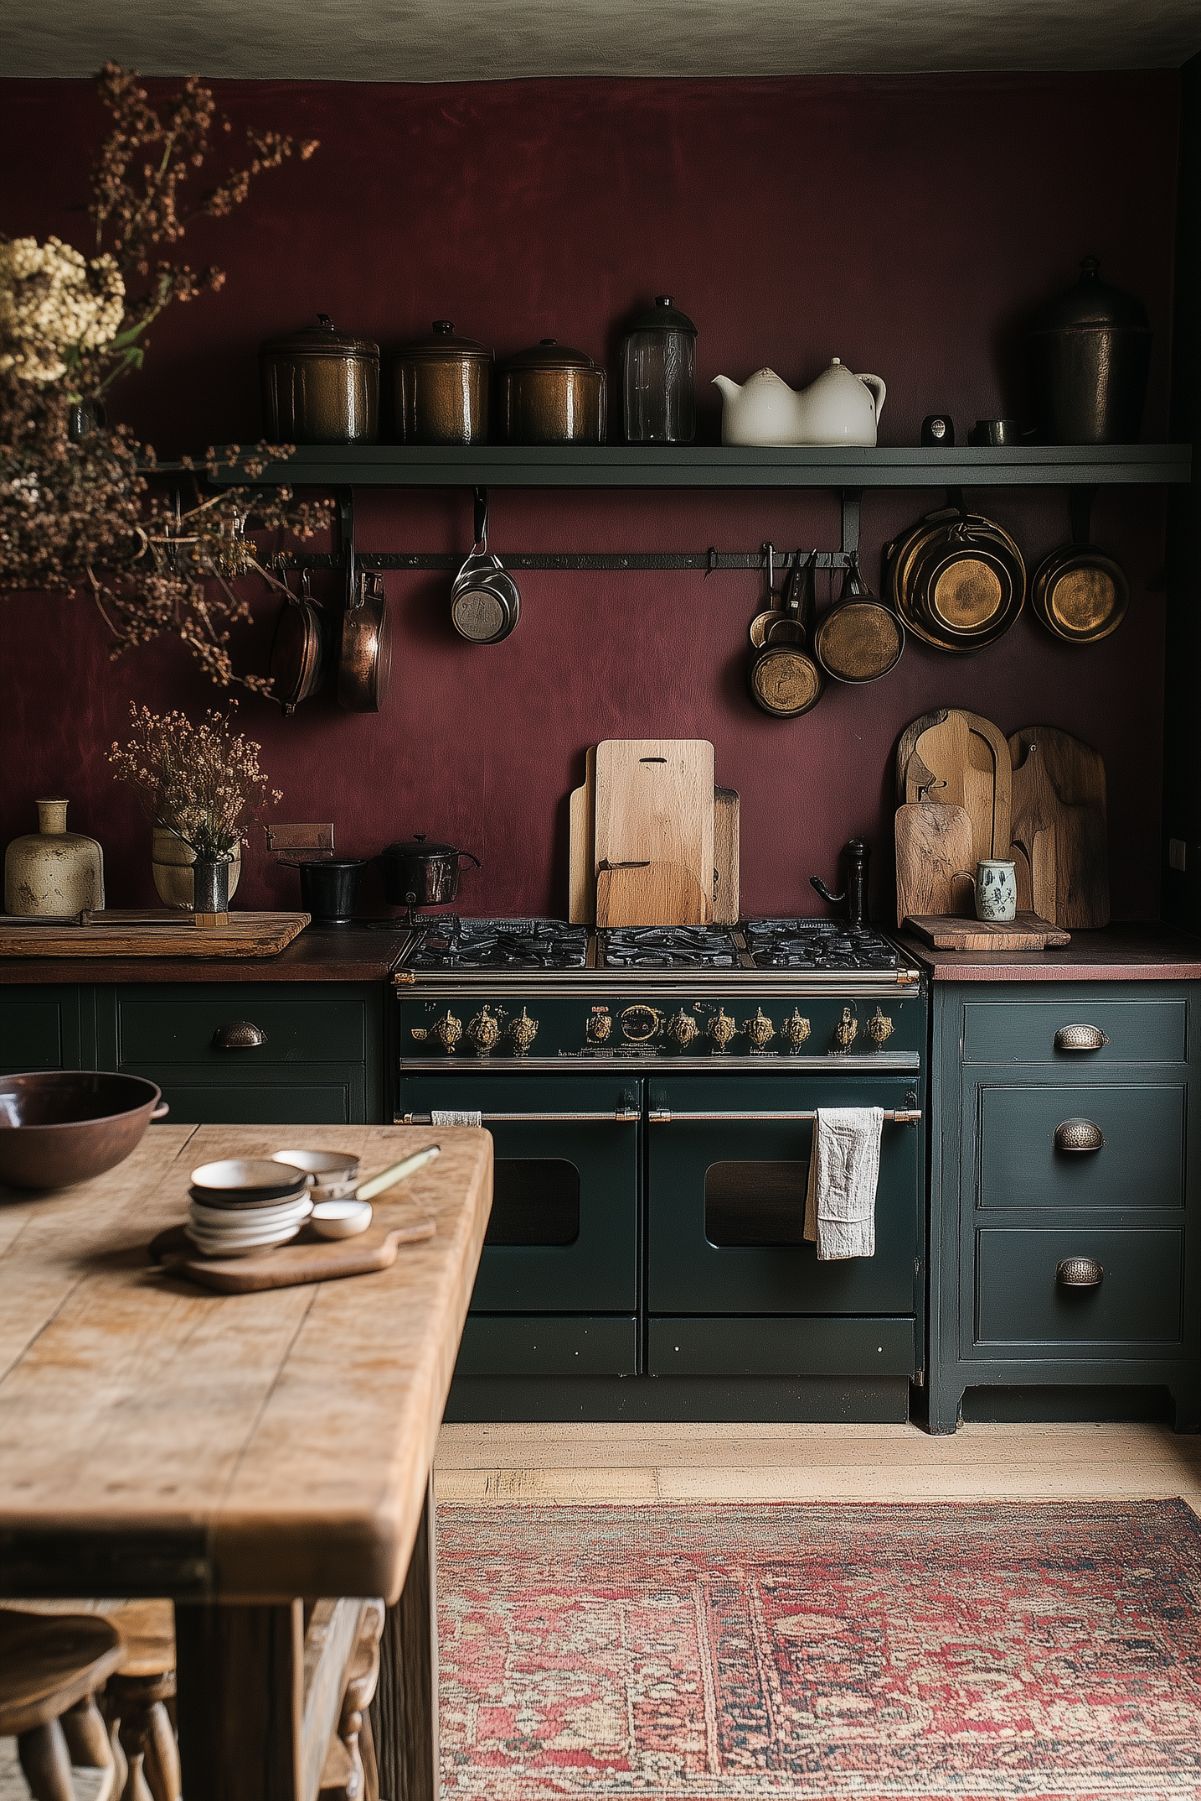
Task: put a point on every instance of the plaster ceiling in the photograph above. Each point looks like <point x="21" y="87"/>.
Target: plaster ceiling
<point x="488" y="40"/>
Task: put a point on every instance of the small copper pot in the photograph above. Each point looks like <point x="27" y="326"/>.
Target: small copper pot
<point x="552" y="394"/>
<point x="440" y="388"/>
<point x="320" y="386"/>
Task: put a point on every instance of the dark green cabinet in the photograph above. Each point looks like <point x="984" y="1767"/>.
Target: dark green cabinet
<point x="1056" y="1144"/>
<point x="44" y="1028"/>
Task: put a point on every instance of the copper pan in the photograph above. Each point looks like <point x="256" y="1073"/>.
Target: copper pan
<point x="957" y="580"/>
<point x="1079" y="594"/>
<point x="364" y="660"/>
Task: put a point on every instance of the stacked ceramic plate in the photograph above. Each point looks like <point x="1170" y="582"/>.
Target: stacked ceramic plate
<point x="246" y="1204"/>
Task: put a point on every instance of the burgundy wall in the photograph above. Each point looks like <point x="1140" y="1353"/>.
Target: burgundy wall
<point x="903" y="224"/>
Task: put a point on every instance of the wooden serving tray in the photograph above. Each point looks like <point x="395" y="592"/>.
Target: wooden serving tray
<point x="305" y="1259"/>
<point x="1025" y="932"/>
<point x="154" y="934"/>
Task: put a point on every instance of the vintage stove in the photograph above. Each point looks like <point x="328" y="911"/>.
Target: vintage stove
<point x="651" y="1094"/>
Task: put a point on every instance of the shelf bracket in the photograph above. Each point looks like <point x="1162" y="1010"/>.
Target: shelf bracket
<point x="851" y="500"/>
<point x="1080" y="512"/>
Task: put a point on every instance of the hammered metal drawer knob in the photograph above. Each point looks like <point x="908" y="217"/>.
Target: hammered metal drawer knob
<point x="1080" y="1038"/>
<point x="240" y="1035"/>
<point x="1079" y="1272"/>
<point x="1079" y="1135"/>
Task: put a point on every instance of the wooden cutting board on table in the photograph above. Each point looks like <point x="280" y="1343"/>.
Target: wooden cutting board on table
<point x="654" y="808"/>
<point x="1025" y="932"/>
<point x="1060" y="836"/>
<point x="935" y="859"/>
<point x="960" y="759"/>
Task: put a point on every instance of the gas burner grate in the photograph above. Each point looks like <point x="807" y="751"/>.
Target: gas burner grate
<point x="453" y="943"/>
<point x="817" y="944"/>
<point x="668" y="947"/>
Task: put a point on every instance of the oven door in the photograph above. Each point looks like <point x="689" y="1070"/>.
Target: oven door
<point x="729" y="1163"/>
<point x="563" y="1234"/>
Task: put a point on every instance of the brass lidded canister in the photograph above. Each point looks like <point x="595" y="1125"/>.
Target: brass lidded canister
<point x="320" y="386"/>
<point x="440" y="388"/>
<point x="552" y="394"/>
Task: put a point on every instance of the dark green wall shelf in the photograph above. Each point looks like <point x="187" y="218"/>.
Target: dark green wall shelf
<point x="718" y="466"/>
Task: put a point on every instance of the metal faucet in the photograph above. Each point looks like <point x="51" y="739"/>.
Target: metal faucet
<point x="855" y="892"/>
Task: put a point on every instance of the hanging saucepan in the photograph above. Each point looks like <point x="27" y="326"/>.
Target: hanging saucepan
<point x="364" y="661"/>
<point x="420" y="874"/>
<point x="767" y="615"/>
<point x="784" y="679"/>
<point x="860" y="639"/>
<point x="484" y="602"/>
<point x="1078" y="592"/>
<point x="297" y="649"/>
<point x="957" y="580"/>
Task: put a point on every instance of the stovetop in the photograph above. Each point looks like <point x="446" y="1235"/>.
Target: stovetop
<point x="814" y="946"/>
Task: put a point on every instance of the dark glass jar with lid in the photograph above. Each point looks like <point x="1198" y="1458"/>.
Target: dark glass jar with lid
<point x="552" y="394"/>
<point x="660" y="376"/>
<point x="1090" y="352"/>
<point x="320" y="386"/>
<point x="440" y="388"/>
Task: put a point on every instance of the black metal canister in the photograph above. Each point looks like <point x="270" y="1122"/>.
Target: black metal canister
<point x="1090" y="352"/>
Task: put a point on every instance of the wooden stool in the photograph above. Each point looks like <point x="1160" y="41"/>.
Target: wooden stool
<point x="50" y="1669"/>
<point x="137" y="1699"/>
<point x="350" y="1772"/>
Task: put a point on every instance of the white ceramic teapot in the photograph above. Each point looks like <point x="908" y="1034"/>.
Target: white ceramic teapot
<point x="840" y="407"/>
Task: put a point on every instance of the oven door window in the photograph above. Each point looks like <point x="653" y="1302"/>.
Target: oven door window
<point x="755" y="1203"/>
<point x="535" y="1200"/>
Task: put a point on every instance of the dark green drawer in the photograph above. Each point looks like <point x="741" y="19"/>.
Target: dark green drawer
<point x="1137" y="1031"/>
<point x="515" y="1344"/>
<point x="780" y="1347"/>
<point x="318" y="1095"/>
<point x="39" y="1031"/>
<point x="167" y="1029"/>
<point x="1137" y="1306"/>
<point x="1140" y="1164"/>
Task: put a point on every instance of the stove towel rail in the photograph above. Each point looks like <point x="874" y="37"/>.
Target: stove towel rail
<point x="620" y="1116"/>
<point x="664" y="1116"/>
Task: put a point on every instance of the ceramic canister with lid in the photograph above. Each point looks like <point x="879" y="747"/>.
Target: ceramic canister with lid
<point x="440" y="388"/>
<point x="320" y="386"/>
<point x="551" y="394"/>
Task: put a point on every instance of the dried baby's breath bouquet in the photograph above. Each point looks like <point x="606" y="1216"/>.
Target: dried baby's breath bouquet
<point x="203" y="782"/>
<point x="82" y="513"/>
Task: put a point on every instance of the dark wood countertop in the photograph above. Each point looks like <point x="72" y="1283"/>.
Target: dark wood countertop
<point x="1120" y="953"/>
<point x="320" y="954"/>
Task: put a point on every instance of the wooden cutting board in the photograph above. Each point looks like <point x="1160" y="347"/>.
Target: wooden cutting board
<point x="935" y="859"/>
<point x="651" y="894"/>
<point x="726" y="808"/>
<point x="1025" y="932"/>
<point x="581" y="860"/>
<point x="961" y="759"/>
<point x="169" y="934"/>
<point x="1059" y="826"/>
<point x="290" y="1265"/>
<point x="654" y="804"/>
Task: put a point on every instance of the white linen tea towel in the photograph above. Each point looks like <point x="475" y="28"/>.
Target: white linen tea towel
<point x="446" y="1116"/>
<point x="844" y="1170"/>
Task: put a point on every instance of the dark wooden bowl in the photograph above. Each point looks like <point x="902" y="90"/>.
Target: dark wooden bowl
<point x="59" y="1126"/>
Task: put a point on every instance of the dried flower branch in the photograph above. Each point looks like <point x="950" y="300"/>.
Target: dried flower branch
<point x="81" y="514"/>
<point x="203" y="782"/>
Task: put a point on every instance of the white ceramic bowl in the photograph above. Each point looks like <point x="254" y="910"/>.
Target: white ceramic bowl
<point x="250" y="1219"/>
<point x="224" y="1246"/>
<point x="335" y="1171"/>
<point x="249" y="1178"/>
<point x="344" y="1218"/>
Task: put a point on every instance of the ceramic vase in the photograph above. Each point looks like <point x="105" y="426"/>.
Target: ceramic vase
<point x="996" y="891"/>
<point x="210" y="890"/>
<point x="172" y="867"/>
<point x="53" y="872"/>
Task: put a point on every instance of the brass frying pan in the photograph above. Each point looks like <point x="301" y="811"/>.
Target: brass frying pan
<point x="784" y="679"/>
<point x="860" y="639"/>
<point x="1080" y="594"/>
<point x="364" y="660"/>
<point x="957" y="580"/>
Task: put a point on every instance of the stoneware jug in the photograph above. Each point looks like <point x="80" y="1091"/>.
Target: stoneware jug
<point x="53" y="872"/>
<point x="840" y="407"/>
<point x="996" y="891"/>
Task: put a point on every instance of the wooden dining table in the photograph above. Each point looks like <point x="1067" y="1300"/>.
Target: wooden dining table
<point x="244" y="1455"/>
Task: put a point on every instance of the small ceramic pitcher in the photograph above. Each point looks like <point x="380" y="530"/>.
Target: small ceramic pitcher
<point x="996" y="890"/>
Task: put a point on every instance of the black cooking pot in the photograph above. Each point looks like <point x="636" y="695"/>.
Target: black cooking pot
<point x="419" y="874"/>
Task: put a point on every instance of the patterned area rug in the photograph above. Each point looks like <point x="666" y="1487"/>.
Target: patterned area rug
<point x="1050" y="1652"/>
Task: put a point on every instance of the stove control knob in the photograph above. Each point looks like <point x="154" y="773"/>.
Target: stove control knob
<point x="448" y="1030"/>
<point x="721" y="1029"/>
<point x="682" y="1027"/>
<point x="523" y="1030"/>
<point x="880" y="1028"/>
<point x="640" y="1023"/>
<point x="846" y="1031"/>
<point x="759" y="1030"/>
<point x="600" y="1028"/>
<point x="483" y="1029"/>
<point x="796" y="1029"/>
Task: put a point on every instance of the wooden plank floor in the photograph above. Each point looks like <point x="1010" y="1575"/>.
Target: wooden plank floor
<point x="645" y="1464"/>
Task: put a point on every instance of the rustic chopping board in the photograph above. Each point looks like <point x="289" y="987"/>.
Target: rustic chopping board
<point x="649" y="894"/>
<point x="290" y="1265"/>
<point x="1059" y="826"/>
<point x="654" y="805"/>
<point x="581" y="861"/>
<point x="726" y="808"/>
<point x="1025" y="932"/>
<point x="962" y="760"/>
<point x="165" y="934"/>
<point x="935" y="859"/>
